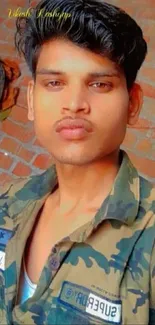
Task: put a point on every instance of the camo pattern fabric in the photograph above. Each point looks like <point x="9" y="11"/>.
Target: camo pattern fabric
<point x="102" y="273"/>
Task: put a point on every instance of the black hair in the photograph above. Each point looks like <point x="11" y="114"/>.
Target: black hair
<point x="93" y="24"/>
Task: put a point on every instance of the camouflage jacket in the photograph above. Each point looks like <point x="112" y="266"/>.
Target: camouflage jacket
<point x="103" y="273"/>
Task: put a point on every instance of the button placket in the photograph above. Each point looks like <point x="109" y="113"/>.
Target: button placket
<point x="54" y="259"/>
<point x="54" y="262"/>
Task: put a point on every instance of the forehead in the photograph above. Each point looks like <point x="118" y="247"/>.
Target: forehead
<point x="65" y="55"/>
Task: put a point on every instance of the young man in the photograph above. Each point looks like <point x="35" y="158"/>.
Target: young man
<point x="77" y="242"/>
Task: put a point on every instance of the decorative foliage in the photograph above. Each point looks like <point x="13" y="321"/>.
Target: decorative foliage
<point x="9" y="71"/>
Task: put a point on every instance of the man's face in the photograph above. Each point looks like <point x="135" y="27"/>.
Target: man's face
<point x="103" y="101"/>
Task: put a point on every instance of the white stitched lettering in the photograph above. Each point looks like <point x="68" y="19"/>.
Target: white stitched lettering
<point x="103" y="308"/>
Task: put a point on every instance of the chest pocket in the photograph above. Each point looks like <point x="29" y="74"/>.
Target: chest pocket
<point x="79" y="305"/>
<point x="61" y="314"/>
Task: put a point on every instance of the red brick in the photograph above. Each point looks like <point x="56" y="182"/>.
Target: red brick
<point x="10" y="38"/>
<point x="6" y="48"/>
<point x="147" y="39"/>
<point x="37" y="143"/>
<point x="153" y="154"/>
<point x="144" y="146"/>
<point x="148" y="28"/>
<point x="24" y="82"/>
<point x="141" y="124"/>
<point x="148" y="73"/>
<point x="16" y="3"/>
<point x="148" y="90"/>
<point x="34" y="3"/>
<point x="5" y="161"/>
<point x="149" y="108"/>
<point x="146" y="13"/>
<point x="153" y="134"/>
<point x="23" y="134"/>
<point x="130" y="10"/>
<point x="152" y="44"/>
<point x="145" y="3"/>
<point x="22" y="98"/>
<point x="10" y="23"/>
<point x="130" y="139"/>
<point x="142" y="132"/>
<point x="42" y="161"/>
<point x="5" y="178"/>
<point x="22" y="170"/>
<point x="150" y="56"/>
<point x="4" y="33"/>
<point x="9" y="145"/>
<point x="144" y="165"/>
<point x="19" y="114"/>
<point x="25" y="154"/>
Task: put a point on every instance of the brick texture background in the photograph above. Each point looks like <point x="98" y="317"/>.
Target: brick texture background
<point x="20" y="152"/>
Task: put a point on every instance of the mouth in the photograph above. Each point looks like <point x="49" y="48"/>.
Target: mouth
<point x="76" y="133"/>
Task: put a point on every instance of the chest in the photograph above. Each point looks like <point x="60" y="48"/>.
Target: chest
<point x="99" y="281"/>
<point x="46" y="232"/>
<point x="49" y="229"/>
<point x="105" y="278"/>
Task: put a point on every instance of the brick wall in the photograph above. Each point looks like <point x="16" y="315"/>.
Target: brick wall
<point x="20" y="152"/>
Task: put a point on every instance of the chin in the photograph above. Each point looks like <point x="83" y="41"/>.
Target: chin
<point x="74" y="160"/>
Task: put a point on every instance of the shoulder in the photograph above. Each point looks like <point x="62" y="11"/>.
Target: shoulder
<point x="147" y="191"/>
<point x="18" y="194"/>
<point x="9" y="189"/>
<point x="9" y="201"/>
<point x="146" y="198"/>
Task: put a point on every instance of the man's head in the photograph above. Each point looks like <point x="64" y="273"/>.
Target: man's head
<point x="66" y="57"/>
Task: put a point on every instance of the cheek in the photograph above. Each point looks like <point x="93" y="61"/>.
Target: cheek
<point x="112" y="110"/>
<point x="45" y="108"/>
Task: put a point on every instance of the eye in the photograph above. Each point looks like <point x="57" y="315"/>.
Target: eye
<point x="99" y="84"/>
<point x="54" y="84"/>
<point x="102" y="86"/>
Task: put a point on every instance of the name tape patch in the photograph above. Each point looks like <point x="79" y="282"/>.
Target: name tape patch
<point x="107" y="310"/>
<point x="88" y="302"/>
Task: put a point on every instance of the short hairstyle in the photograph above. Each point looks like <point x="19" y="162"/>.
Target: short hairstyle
<point x="92" y="24"/>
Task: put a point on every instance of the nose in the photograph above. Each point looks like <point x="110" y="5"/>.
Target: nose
<point x="77" y="101"/>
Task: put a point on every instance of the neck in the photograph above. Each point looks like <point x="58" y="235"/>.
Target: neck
<point x="82" y="187"/>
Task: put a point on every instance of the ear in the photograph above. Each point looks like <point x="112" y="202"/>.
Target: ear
<point x="135" y="104"/>
<point x="30" y="91"/>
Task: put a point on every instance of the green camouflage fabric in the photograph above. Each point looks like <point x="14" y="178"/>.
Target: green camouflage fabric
<point x="103" y="273"/>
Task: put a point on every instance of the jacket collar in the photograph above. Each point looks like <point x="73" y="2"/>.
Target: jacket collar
<point x="121" y="204"/>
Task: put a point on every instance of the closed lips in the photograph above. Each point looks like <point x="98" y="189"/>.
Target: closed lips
<point x="72" y="124"/>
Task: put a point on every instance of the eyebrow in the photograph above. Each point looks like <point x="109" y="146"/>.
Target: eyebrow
<point x="44" y="71"/>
